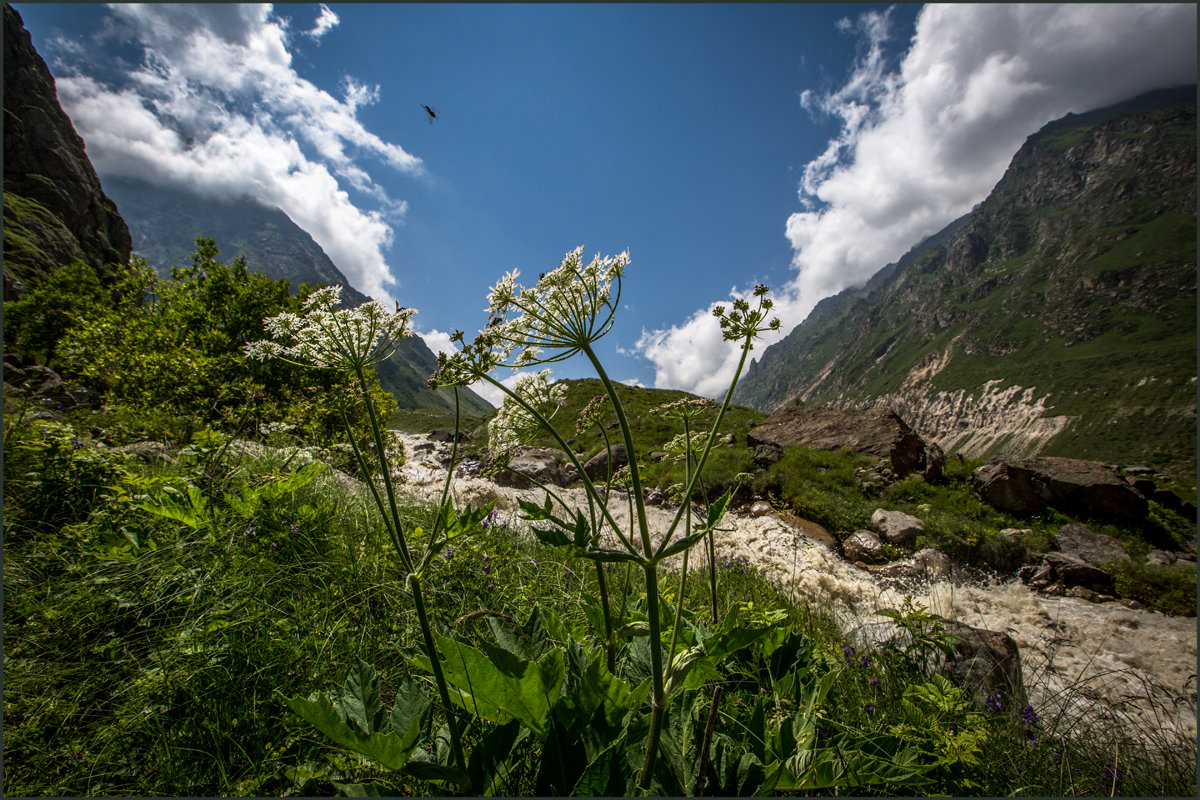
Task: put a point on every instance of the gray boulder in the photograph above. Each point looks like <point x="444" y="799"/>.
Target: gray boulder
<point x="864" y="547"/>
<point x="1029" y="486"/>
<point x="598" y="466"/>
<point x="874" y="431"/>
<point x="539" y="464"/>
<point x="1094" y="548"/>
<point x="929" y="565"/>
<point x="896" y="526"/>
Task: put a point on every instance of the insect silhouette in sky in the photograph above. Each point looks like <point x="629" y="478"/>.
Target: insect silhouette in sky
<point x="432" y="112"/>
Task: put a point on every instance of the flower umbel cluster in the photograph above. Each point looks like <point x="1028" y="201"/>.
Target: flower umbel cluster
<point x="326" y="336"/>
<point x="678" y="448"/>
<point x="744" y="323"/>
<point x="513" y="424"/>
<point x="568" y="309"/>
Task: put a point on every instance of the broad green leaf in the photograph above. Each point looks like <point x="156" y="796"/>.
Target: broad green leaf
<point x="411" y="711"/>
<point x="717" y="510"/>
<point x="359" y="698"/>
<point x="387" y="748"/>
<point x="552" y="537"/>
<point x="498" y="686"/>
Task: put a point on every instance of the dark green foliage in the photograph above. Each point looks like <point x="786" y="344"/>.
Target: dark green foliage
<point x="34" y="324"/>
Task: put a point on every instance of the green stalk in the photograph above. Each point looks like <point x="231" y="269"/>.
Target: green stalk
<point x="712" y="437"/>
<point x="658" y="700"/>
<point x="387" y="477"/>
<point x="588" y="486"/>
<point x="634" y="476"/>
<point x="650" y="568"/>
<point x="687" y="531"/>
<point x="414" y="587"/>
<point x="413" y="582"/>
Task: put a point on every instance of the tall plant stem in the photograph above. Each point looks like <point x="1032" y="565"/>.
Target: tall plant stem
<point x="413" y="581"/>
<point x="658" y="701"/>
<point x="414" y="587"/>
<point x="384" y="467"/>
<point x="650" y="568"/>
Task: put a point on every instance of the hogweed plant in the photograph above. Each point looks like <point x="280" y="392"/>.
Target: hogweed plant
<point x="355" y="340"/>
<point x="563" y="315"/>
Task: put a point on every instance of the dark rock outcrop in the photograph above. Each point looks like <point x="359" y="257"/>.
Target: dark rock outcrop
<point x="598" y="466"/>
<point x="874" y="431"/>
<point x="863" y="547"/>
<point x="54" y="209"/>
<point x="989" y="665"/>
<point x="1028" y="486"/>
<point x="542" y="465"/>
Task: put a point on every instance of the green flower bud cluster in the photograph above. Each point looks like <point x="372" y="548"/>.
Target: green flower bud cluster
<point x="744" y="323"/>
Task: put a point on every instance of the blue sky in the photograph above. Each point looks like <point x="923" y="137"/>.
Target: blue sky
<point x="802" y="146"/>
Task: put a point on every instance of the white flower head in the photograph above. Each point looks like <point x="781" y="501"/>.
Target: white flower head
<point x="326" y="336"/>
<point x="513" y="424"/>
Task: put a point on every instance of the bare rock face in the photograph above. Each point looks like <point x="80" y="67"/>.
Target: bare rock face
<point x="1028" y="486"/>
<point x="874" y="431"/>
<point x="896" y="526"/>
<point x="1094" y="548"/>
<point x="52" y="193"/>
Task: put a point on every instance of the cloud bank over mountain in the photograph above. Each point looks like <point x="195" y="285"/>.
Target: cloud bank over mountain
<point x="924" y="139"/>
<point x="210" y="100"/>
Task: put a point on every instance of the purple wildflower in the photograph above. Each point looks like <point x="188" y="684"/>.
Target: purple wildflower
<point x="866" y="662"/>
<point x="1030" y="717"/>
<point x="870" y="709"/>
<point x="994" y="701"/>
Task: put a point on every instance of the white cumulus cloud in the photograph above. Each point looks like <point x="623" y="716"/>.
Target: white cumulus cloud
<point x="215" y="106"/>
<point x="923" y="141"/>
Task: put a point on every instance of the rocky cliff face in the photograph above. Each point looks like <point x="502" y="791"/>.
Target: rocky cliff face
<point x="54" y="209"/>
<point x="1058" y="318"/>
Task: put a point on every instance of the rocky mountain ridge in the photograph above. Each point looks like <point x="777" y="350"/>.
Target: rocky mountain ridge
<point x="1058" y="318"/>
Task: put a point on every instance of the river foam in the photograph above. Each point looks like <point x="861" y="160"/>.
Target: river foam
<point x="1082" y="662"/>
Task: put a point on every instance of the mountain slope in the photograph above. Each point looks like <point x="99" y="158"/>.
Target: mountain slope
<point x="165" y="223"/>
<point x="1059" y="317"/>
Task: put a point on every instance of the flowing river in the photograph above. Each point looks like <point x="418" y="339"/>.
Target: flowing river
<point x="1089" y="662"/>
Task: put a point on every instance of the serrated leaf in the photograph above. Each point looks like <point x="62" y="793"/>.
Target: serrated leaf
<point x="359" y="698"/>
<point x="387" y="748"/>
<point x="498" y="686"/>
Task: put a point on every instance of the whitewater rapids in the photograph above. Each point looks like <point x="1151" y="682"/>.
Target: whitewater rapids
<point x="1091" y="663"/>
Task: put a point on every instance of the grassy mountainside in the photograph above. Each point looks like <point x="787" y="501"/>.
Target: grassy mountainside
<point x="1058" y="318"/>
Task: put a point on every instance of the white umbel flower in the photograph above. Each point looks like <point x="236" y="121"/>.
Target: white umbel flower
<point x="326" y="336"/>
